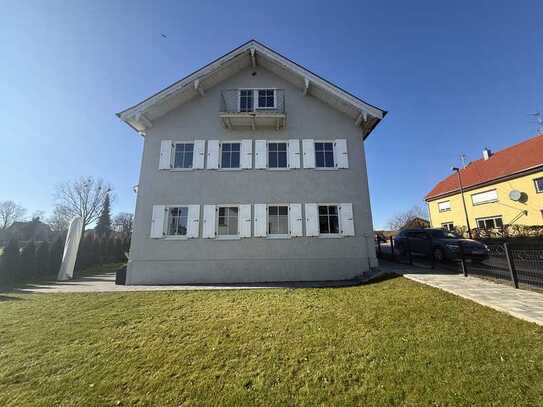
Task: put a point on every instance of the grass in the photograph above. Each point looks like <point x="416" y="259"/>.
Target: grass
<point x="390" y="343"/>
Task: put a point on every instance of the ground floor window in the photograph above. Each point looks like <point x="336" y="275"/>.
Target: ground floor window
<point x="328" y="219"/>
<point x="493" y="222"/>
<point x="177" y="220"/>
<point x="228" y="221"/>
<point x="278" y="219"/>
<point x="448" y="226"/>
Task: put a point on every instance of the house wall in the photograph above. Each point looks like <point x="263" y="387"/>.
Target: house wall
<point x="252" y="259"/>
<point x="504" y="207"/>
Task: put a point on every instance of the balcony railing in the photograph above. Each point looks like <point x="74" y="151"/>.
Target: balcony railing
<point x="254" y="108"/>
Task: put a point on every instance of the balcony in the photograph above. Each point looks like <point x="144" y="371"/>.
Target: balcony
<point x="253" y="108"/>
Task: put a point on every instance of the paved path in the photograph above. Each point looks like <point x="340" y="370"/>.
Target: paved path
<point x="523" y="304"/>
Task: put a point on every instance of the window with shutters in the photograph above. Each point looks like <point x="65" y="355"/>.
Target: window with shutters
<point x="328" y="219"/>
<point x="230" y="155"/>
<point x="228" y="221"/>
<point x="481" y="198"/>
<point x="266" y="98"/>
<point x="246" y="101"/>
<point x="324" y="155"/>
<point x="278" y="220"/>
<point x="177" y="221"/>
<point x="493" y="222"/>
<point x="444" y="206"/>
<point x="183" y="155"/>
<point x="277" y="155"/>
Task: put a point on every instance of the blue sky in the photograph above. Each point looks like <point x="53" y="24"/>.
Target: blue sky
<point x="455" y="77"/>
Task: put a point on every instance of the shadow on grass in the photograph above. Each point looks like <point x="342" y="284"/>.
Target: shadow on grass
<point x="4" y="298"/>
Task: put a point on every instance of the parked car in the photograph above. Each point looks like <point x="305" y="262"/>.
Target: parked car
<point x="440" y="243"/>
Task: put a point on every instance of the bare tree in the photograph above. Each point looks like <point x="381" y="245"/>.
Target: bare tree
<point x="123" y="223"/>
<point x="59" y="220"/>
<point x="83" y="197"/>
<point x="399" y="220"/>
<point x="10" y="212"/>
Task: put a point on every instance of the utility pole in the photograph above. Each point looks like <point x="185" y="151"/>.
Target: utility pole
<point x="463" y="200"/>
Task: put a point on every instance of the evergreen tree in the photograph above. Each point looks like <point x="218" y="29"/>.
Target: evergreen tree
<point x="103" y="227"/>
<point x="11" y="261"/>
<point x="55" y="256"/>
<point x="28" y="261"/>
<point x="42" y="259"/>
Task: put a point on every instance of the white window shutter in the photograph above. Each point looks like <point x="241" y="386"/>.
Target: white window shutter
<point x="261" y="154"/>
<point x="311" y="219"/>
<point x="193" y="221"/>
<point x="244" y="220"/>
<point x="246" y="160"/>
<point x="165" y="161"/>
<point x="157" y="221"/>
<point x="198" y="157"/>
<point x="213" y="154"/>
<point x="342" y="157"/>
<point x="346" y="216"/>
<point x="261" y="220"/>
<point x="294" y="153"/>
<point x="295" y="220"/>
<point x="309" y="153"/>
<point x="210" y="213"/>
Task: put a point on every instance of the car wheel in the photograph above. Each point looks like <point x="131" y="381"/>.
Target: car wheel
<point x="439" y="255"/>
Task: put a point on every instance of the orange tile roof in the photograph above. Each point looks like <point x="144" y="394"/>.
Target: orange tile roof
<point x="518" y="158"/>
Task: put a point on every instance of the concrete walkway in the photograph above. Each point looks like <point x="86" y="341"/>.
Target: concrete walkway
<point x="523" y="304"/>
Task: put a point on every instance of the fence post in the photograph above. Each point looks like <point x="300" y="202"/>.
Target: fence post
<point x="462" y="259"/>
<point x="511" y="265"/>
<point x="391" y="248"/>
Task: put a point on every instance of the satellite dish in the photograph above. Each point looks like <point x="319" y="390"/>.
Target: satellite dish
<point x="515" y="195"/>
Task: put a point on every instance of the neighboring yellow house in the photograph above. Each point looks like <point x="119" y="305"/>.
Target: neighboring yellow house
<point x="504" y="188"/>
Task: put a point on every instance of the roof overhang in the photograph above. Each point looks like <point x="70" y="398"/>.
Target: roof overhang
<point x="141" y="116"/>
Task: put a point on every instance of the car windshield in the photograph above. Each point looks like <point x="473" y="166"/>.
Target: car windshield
<point x="444" y="234"/>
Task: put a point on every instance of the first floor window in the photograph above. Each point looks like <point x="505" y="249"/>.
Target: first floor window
<point x="538" y="184"/>
<point x="448" y="226"/>
<point x="246" y="100"/>
<point x="328" y="219"/>
<point x="490" y="223"/>
<point x="277" y="155"/>
<point x="177" y="221"/>
<point x="444" y="206"/>
<point x="278" y="220"/>
<point x="183" y="155"/>
<point x="266" y="98"/>
<point x="324" y="155"/>
<point x="230" y="154"/>
<point x="228" y="221"/>
<point x="484" y="197"/>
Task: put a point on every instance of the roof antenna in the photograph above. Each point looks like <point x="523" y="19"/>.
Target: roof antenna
<point x="537" y="116"/>
<point x="463" y="159"/>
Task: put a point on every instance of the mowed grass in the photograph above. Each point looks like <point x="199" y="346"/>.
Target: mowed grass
<point x="394" y="342"/>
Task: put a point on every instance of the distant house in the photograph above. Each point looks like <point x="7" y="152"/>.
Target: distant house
<point x="501" y="188"/>
<point x="26" y="231"/>
<point x="416" y="223"/>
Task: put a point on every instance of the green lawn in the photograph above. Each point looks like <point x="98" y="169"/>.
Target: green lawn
<point x="389" y="343"/>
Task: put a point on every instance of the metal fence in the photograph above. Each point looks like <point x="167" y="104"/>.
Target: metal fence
<point x="518" y="264"/>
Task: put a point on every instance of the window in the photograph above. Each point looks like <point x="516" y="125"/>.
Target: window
<point x="177" y="221"/>
<point x="448" y="226"/>
<point x="230" y="153"/>
<point x="228" y="221"/>
<point x="484" y="197"/>
<point x="246" y="103"/>
<point x="324" y="155"/>
<point x="490" y="223"/>
<point x="278" y="220"/>
<point x="266" y="99"/>
<point x="444" y="206"/>
<point x="328" y="219"/>
<point x="538" y="184"/>
<point x="183" y="153"/>
<point x="277" y="155"/>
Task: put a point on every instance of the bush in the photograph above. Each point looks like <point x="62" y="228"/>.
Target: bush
<point x="42" y="259"/>
<point x="55" y="256"/>
<point x="28" y="261"/>
<point x="11" y="262"/>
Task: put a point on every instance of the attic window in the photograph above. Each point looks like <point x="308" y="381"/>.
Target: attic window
<point x="266" y="99"/>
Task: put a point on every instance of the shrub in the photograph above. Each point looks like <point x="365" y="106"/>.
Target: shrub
<point x="28" y="261"/>
<point x="42" y="259"/>
<point x="55" y="256"/>
<point x="11" y="261"/>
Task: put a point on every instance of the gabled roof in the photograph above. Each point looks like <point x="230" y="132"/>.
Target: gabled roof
<point x="252" y="53"/>
<point x="516" y="159"/>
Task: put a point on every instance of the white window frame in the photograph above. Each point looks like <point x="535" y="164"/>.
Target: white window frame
<point x="220" y="155"/>
<point x="268" y="155"/>
<point x="256" y="107"/>
<point x="537" y="189"/>
<point x="493" y="218"/>
<point x="444" y="210"/>
<point x="278" y="235"/>
<point x="227" y="237"/>
<point x="339" y="221"/>
<point x="239" y="100"/>
<point x="166" y="225"/>
<point x="484" y="202"/>
<point x="172" y="156"/>
<point x="445" y="225"/>
<point x="334" y="167"/>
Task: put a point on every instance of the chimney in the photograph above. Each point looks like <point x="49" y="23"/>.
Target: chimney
<point x="487" y="153"/>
